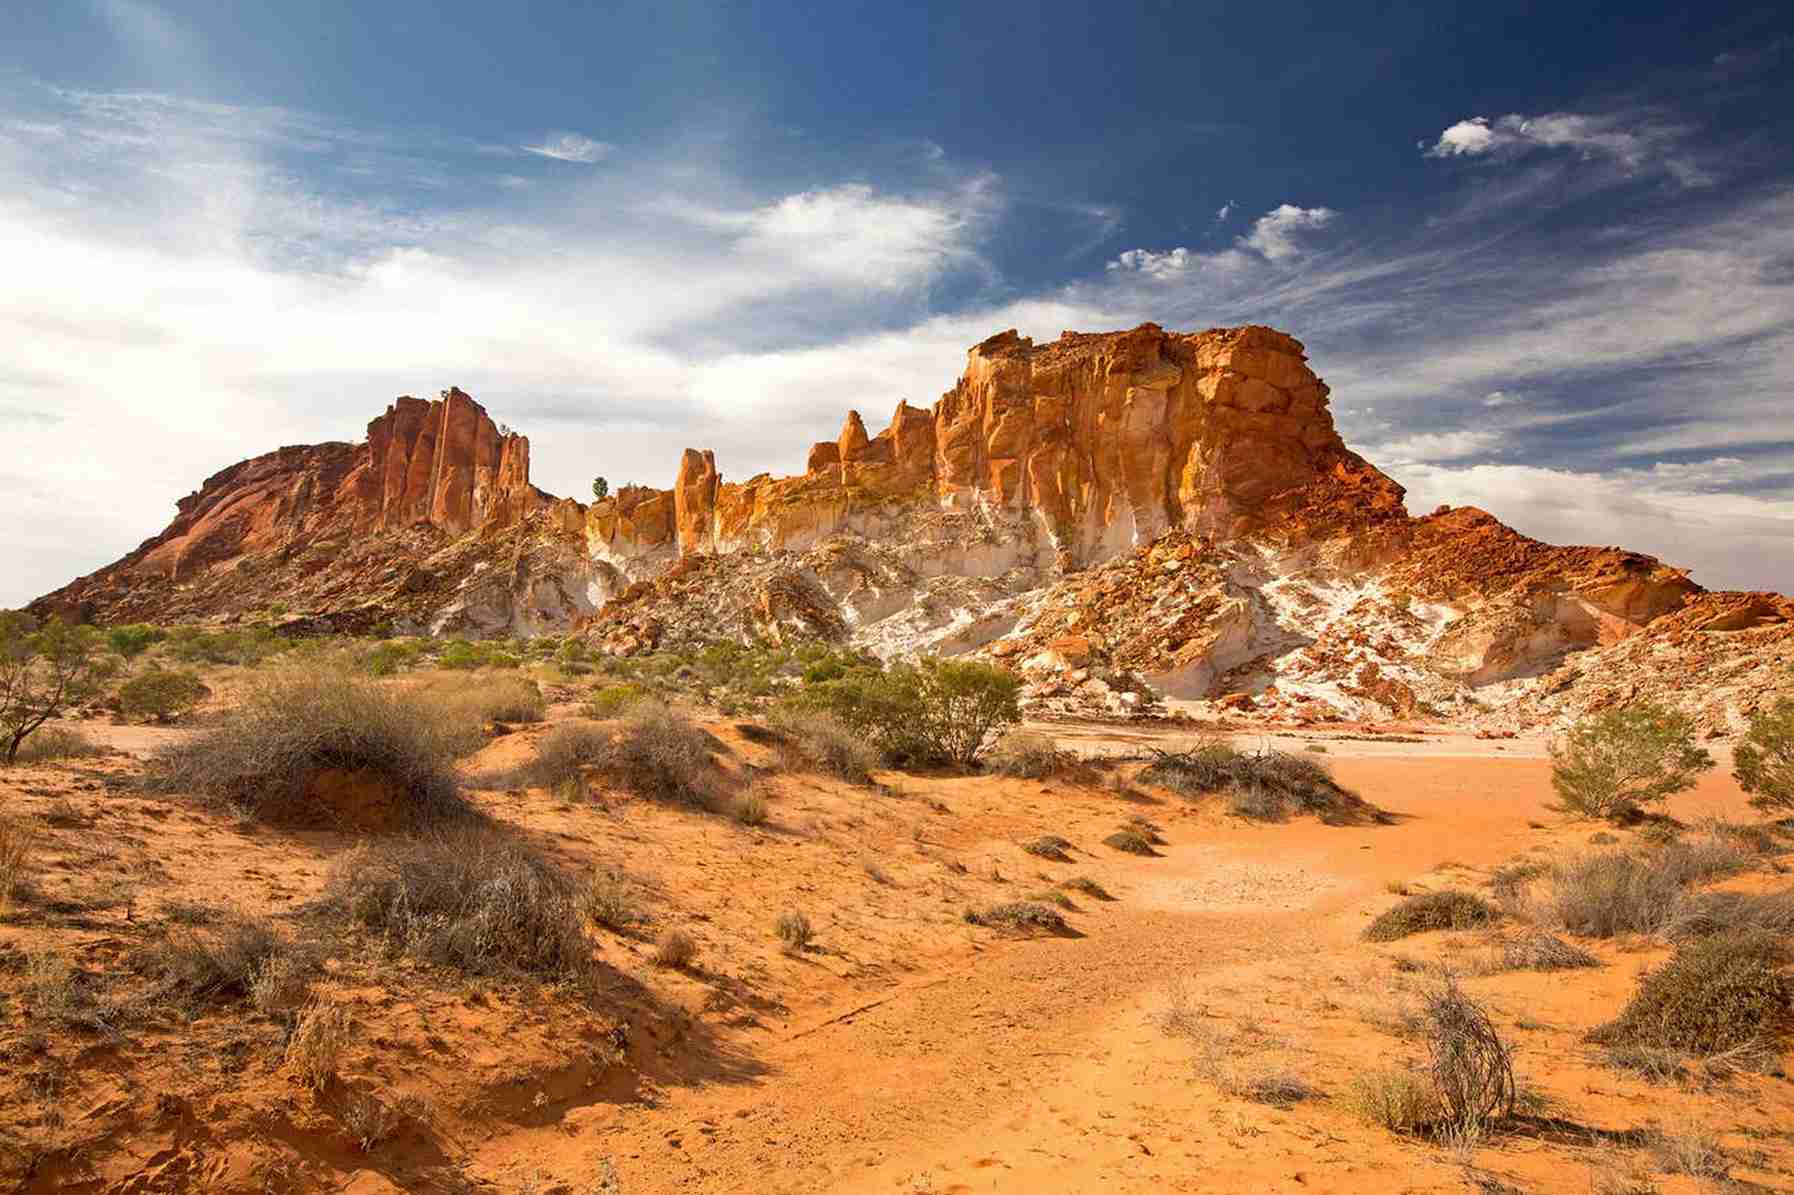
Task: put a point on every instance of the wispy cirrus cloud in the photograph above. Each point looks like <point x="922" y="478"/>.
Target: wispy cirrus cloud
<point x="571" y="147"/>
<point x="1636" y="140"/>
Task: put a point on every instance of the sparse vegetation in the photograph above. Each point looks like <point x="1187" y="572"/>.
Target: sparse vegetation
<point x="1428" y="911"/>
<point x="302" y="725"/>
<point x="43" y="671"/>
<point x="818" y="739"/>
<point x="219" y="961"/>
<point x="608" y="900"/>
<point x="1396" y="1098"/>
<point x="1048" y="846"/>
<point x="793" y="929"/>
<point x="57" y="742"/>
<point x="18" y="838"/>
<point x="160" y="693"/>
<point x="1603" y="893"/>
<point x="1018" y="915"/>
<point x="320" y="1037"/>
<point x="1131" y="841"/>
<point x="1027" y="756"/>
<point x="470" y="900"/>
<point x="1263" y="785"/>
<point x="1540" y="951"/>
<point x="750" y="809"/>
<point x="1610" y="764"/>
<point x="931" y="712"/>
<point x="676" y="950"/>
<point x="1763" y="761"/>
<point x="1471" y="1068"/>
<point x="133" y="640"/>
<point x="1716" y="994"/>
<point x="564" y="753"/>
<point x="614" y="700"/>
<point x="659" y="754"/>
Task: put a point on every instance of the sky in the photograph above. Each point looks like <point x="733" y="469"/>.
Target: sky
<point x="1542" y="253"/>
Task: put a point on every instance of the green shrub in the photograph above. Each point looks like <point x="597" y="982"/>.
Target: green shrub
<point x="473" y="901"/>
<point x="932" y="712"/>
<point x="265" y="753"/>
<point x="613" y="700"/>
<point x="1715" y="994"/>
<point x="1763" y="761"/>
<point x="160" y="693"/>
<point x="460" y="654"/>
<point x="1430" y="911"/>
<point x="133" y="640"/>
<point x="1611" y="763"/>
<point x="43" y="670"/>
<point x="390" y="656"/>
<point x="248" y="646"/>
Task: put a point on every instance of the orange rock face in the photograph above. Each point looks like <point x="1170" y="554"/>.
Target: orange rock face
<point x="444" y="463"/>
<point x="1104" y="440"/>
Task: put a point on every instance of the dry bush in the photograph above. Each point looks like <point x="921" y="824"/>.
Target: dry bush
<point x="1697" y="1153"/>
<point x="1603" y="893"/>
<point x="1540" y="951"/>
<point x="1430" y="911"/>
<point x="220" y="960"/>
<point x="1471" y="1068"/>
<point x="1017" y="915"/>
<point x="1263" y="785"/>
<point x="1715" y="994"/>
<point x="279" y="984"/>
<point x="793" y="929"/>
<point x="485" y="698"/>
<point x="750" y="809"/>
<point x="562" y="755"/>
<point x="675" y="949"/>
<point x="472" y="900"/>
<point x="368" y="1121"/>
<point x="816" y="739"/>
<point x="1048" y="846"/>
<point x="1398" y="1099"/>
<point x="659" y="754"/>
<point x="320" y="1037"/>
<point x="1649" y="1063"/>
<point x="18" y="837"/>
<point x="52" y="988"/>
<point x="607" y="899"/>
<point x="1131" y="841"/>
<point x="1027" y="756"/>
<point x="1703" y="914"/>
<point x="1088" y="887"/>
<point x="265" y="754"/>
<point x="57" y="742"/>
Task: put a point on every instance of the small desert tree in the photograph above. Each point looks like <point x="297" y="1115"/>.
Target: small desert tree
<point x="42" y="671"/>
<point x="600" y="489"/>
<point x="1764" y="761"/>
<point x="1611" y="763"/>
<point x="962" y="702"/>
<point x="160" y="693"/>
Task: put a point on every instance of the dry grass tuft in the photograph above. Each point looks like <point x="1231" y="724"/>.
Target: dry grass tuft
<point x="676" y="949"/>
<point x="1696" y="1153"/>
<point x="1048" y="846"/>
<point x="1398" y="1099"/>
<point x="18" y="837"/>
<point x="1019" y="915"/>
<point x="659" y="754"/>
<point x="1087" y="886"/>
<point x="1540" y="951"/>
<point x="1430" y="911"/>
<point x="793" y="929"/>
<point x="320" y="1037"/>
<point x="57" y="742"/>
<point x="819" y="740"/>
<point x="221" y="960"/>
<point x="1131" y="841"/>
<point x="1027" y="756"/>
<point x="607" y="899"/>
<point x="1263" y="785"/>
<point x="1717" y="994"/>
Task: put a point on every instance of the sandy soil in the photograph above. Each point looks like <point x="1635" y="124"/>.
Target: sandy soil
<point x="905" y="1050"/>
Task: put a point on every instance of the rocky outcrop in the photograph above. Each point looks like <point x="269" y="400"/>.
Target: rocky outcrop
<point x="273" y="528"/>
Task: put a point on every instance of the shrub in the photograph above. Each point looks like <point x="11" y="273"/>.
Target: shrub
<point x="1397" y="1099"/>
<point x="18" y="838"/>
<point x="279" y="984"/>
<point x="221" y="960"/>
<point x="1714" y="994"/>
<point x="1131" y="841"/>
<point x="320" y="1037"/>
<point x="931" y="712"/>
<point x="43" y="670"/>
<point x="295" y="729"/>
<point x="563" y="754"/>
<point x="1018" y="915"/>
<point x="160" y="693"/>
<point x="607" y="900"/>
<point x="793" y="929"/>
<point x="1264" y="785"/>
<point x="133" y="640"/>
<point x="659" y="754"/>
<point x="1047" y="846"/>
<point x="476" y="701"/>
<point x="750" y="809"/>
<point x="1603" y="893"/>
<point x="1088" y="887"/>
<point x="1541" y="951"/>
<point x="57" y="742"/>
<point x="1611" y="763"/>
<point x="473" y="901"/>
<point x="1430" y="911"/>
<point x="1703" y="914"/>
<point x="1763" y="761"/>
<point x="823" y="741"/>
<point x="613" y="700"/>
<point x="1026" y="755"/>
<point x="386" y="658"/>
<point x="247" y="646"/>
<point x="676" y="949"/>
<point x="1470" y="1066"/>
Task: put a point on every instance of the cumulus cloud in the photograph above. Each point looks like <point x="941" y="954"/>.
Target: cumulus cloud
<point x="571" y="147"/>
<point x="1278" y="233"/>
<point x="1225" y="210"/>
<point x="1278" y="237"/>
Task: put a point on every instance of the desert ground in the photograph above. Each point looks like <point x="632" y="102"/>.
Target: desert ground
<point x="1198" y="1023"/>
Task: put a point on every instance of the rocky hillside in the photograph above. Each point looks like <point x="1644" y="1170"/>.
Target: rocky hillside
<point x="1124" y="518"/>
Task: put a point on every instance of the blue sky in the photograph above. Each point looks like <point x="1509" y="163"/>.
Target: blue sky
<point x="1544" y="254"/>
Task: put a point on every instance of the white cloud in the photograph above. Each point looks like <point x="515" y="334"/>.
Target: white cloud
<point x="1277" y="234"/>
<point x="1168" y="264"/>
<point x="1500" y="398"/>
<point x="1433" y="446"/>
<point x="1224" y="211"/>
<point x="571" y="147"/>
<point x="1634" y="140"/>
